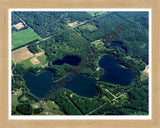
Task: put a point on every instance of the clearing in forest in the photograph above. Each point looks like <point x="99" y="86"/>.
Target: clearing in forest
<point x="18" y="26"/>
<point x="89" y="27"/>
<point x="145" y="73"/>
<point x="98" y="44"/>
<point x="73" y="24"/>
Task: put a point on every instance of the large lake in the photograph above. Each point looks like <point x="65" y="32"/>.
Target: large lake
<point x="114" y="73"/>
<point x="41" y="84"/>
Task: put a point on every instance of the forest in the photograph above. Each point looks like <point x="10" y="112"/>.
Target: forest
<point x="134" y="41"/>
<point x="50" y="23"/>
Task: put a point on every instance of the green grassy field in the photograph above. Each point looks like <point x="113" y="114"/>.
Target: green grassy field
<point x="143" y="76"/>
<point x="24" y="98"/>
<point x="88" y="27"/>
<point x="98" y="44"/>
<point x="13" y="63"/>
<point x="42" y="59"/>
<point x="15" y="96"/>
<point x="92" y="13"/>
<point x="27" y="64"/>
<point x="14" y="100"/>
<point x="24" y="36"/>
<point x="53" y="108"/>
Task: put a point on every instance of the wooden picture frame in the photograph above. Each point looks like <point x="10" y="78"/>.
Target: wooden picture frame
<point x="4" y="55"/>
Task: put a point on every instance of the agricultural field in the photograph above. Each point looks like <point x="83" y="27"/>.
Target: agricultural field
<point x="88" y="27"/>
<point x="39" y="54"/>
<point x="34" y="61"/>
<point x="27" y="64"/>
<point x="18" y="26"/>
<point x="23" y="37"/>
<point x="95" y="13"/>
<point x="42" y="59"/>
<point x="21" y="54"/>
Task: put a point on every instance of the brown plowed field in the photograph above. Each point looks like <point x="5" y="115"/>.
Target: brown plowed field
<point x="19" y="26"/>
<point x="21" y="54"/>
<point x="39" y="54"/>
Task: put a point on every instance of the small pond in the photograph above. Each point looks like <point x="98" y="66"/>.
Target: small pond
<point x="118" y="44"/>
<point x="72" y="60"/>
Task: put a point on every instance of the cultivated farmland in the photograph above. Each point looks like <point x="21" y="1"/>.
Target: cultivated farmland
<point x="19" y="26"/>
<point x="39" y="54"/>
<point x="34" y="61"/>
<point x="42" y="59"/>
<point x="28" y="64"/>
<point x="24" y="36"/>
<point x="21" y="54"/>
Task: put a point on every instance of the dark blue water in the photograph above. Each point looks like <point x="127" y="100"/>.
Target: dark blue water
<point x="41" y="84"/>
<point x="114" y="73"/>
<point x="72" y="60"/>
<point x="118" y="44"/>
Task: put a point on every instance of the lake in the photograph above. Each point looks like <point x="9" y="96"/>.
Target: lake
<point x="40" y="85"/>
<point x="72" y="60"/>
<point x="114" y="73"/>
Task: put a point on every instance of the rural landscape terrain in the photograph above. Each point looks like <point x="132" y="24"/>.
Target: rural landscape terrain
<point x="80" y="63"/>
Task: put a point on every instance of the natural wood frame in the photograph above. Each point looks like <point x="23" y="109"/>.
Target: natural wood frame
<point x="6" y="4"/>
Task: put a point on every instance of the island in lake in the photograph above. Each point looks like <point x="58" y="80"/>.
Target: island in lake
<point x="80" y="63"/>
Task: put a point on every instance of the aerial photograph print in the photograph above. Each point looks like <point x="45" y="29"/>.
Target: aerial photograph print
<point x="79" y="62"/>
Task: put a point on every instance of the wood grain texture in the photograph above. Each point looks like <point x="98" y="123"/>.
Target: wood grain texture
<point x="6" y="4"/>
